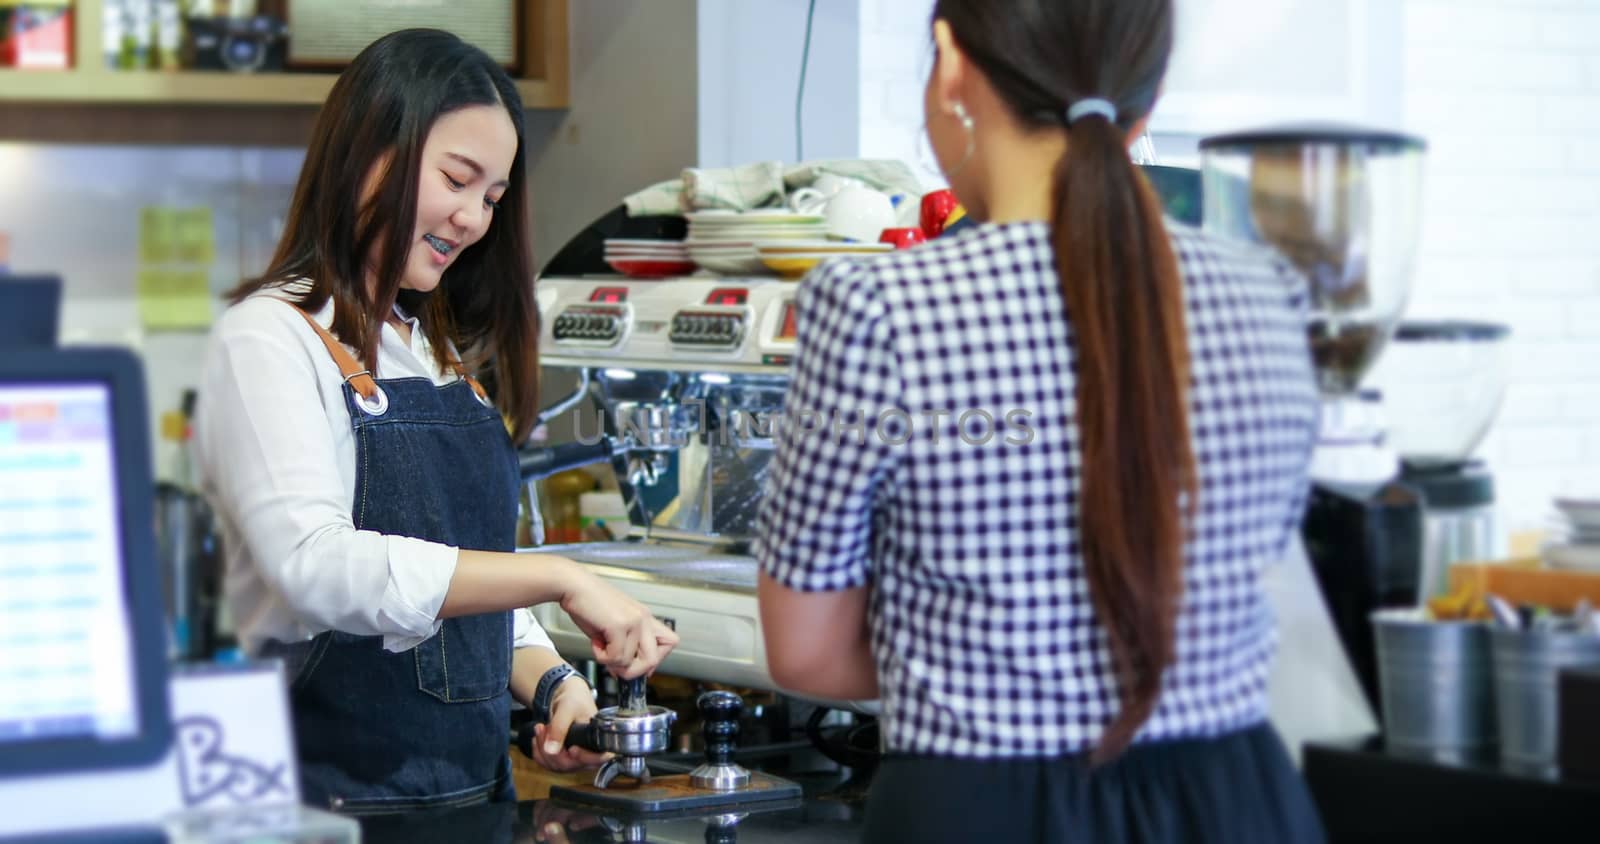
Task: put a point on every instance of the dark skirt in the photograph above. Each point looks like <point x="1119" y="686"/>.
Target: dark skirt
<point x="1238" y="788"/>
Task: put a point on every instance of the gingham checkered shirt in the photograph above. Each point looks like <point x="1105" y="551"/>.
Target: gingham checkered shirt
<point x="986" y="641"/>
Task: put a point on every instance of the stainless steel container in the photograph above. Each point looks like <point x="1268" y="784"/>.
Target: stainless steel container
<point x="1436" y="685"/>
<point x="1460" y="523"/>
<point x="1526" y="665"/>
<point x="186" y="544"/>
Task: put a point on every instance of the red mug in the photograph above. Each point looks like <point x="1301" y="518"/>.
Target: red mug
<point x="936" y="209"/>
<point x="903" y="238"/>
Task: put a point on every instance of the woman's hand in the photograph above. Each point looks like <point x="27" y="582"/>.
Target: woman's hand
<point x="552" y="822"/>
<point x="625" y="637"/>
<point x="572" y="703"/>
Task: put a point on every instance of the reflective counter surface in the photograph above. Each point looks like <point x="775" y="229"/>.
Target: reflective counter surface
<point x="830" y="811"/>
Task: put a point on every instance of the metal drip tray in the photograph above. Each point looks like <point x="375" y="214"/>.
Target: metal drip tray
<point x="618" y="553"/>
<point x="685" y="565"/>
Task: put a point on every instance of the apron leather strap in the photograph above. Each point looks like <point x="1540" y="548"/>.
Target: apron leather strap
<point x="361" y="379"/>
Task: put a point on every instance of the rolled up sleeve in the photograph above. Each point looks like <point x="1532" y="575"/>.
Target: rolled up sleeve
<point x="274" y="476"/>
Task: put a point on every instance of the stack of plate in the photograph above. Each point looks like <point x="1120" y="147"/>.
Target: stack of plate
<point x="649" y="258"/>
<point x="792" y="259"/>
<point x="726" y="241"/>
<point x="1579" y="522"/>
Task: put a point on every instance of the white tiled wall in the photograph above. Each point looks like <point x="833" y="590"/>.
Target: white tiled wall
<point x="896" y="53"/>
<point x="74" y="211"/>
<point x="1507" y="93"/>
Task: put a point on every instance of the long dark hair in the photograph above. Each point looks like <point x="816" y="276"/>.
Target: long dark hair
<point x="1123" y="295"/>
<point x="381" y="109"/>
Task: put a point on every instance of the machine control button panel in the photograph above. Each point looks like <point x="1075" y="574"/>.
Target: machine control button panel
<point x="590" y="324"/>
<point x="707" y="329"/>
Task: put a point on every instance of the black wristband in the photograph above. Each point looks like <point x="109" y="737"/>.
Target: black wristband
<point x="546" y="690"/>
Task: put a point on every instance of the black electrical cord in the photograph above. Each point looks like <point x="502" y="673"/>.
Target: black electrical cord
<point x="852" y="747"/>
<point x="800" y="94"/>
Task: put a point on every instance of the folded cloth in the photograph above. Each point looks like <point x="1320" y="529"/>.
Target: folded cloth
<point x="890" y="175"/>
<point x="740" y="188"/>
<point x="764" y="184"/>
<point x="659" y="198"/>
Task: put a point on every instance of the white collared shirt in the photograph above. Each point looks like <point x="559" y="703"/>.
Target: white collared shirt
<point x="276" y="459"/>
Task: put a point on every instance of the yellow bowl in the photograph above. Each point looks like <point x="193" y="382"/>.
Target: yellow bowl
<point x="789" y="267"/>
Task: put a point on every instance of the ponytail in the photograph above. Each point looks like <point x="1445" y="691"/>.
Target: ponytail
<point x="1124" y="300"/>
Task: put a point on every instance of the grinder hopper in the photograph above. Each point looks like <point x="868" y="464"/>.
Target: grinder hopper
<point x="1341" y="206"/>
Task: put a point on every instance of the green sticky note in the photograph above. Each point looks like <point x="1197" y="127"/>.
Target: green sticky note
<point x="174" y="298"/>
<point x="194" y="238"/>
<point x="158" y="234"/>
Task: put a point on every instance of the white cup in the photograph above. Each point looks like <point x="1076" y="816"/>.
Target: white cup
<point x="814" y="198"/>
<point x="907" y="210"/>
<point x="830" y="184"/>
<point x="808" y="201"/>
<point x="860" y="214"/>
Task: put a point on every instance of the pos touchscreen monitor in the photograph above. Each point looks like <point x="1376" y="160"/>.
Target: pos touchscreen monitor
<point x="83" y="677"/>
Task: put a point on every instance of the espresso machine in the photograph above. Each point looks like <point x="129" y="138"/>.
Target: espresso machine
<point x="1341" y="206"/>
<point x="679" y="384"/>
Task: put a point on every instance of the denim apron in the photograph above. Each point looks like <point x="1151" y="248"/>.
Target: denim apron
<point x="377" y="731"/>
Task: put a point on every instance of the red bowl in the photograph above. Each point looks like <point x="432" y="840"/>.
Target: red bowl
<point x="651" y="267"/>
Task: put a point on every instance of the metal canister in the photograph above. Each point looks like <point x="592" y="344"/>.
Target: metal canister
<point x="1526" y="667"/>
<point x="1435" y="679"/>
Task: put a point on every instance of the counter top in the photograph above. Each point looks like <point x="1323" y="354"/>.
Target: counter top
<point x="830" y="811"/>
<point x="1368" y="794"/>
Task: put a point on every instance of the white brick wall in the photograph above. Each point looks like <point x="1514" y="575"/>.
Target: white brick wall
<point x="1508" y="94"/>
<point x="896" y="53"/>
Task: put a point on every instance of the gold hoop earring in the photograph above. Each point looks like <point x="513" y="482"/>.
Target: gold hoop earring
<point x="965" y="119"/>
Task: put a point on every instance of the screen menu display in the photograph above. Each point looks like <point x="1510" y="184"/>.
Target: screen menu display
<point x="66" y="659"/>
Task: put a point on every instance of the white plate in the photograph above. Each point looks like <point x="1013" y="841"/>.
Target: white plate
<point x="1581" y="512"/>
<point x="723" y="248"/>
<point x="761" y="233"/>
<point x="758" y="232"/>
<point x="734" y="266"/>
<point x="1573" y="557"/>
<point x="643" y="242"/>
<point x="809" y="256"/>
<point x="1581" y="535"/>
<point x="749" y="217"/>
<point x="830" y="247"/>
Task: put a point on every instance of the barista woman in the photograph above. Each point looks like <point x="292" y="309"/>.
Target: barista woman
<point x="1065" y="626"/>
<point x="364" y="478"/>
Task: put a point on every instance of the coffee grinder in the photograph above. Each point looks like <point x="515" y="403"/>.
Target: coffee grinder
<point x="1341" y="205"/>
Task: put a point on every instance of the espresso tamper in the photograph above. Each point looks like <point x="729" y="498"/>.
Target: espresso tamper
<point x="720" y="713"/>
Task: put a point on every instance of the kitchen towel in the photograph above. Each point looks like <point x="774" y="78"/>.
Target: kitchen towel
<point x="764" y="184"/>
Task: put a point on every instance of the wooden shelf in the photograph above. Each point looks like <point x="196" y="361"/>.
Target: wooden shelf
<point x="95" y="104"/>
<point x="156" y="88"/>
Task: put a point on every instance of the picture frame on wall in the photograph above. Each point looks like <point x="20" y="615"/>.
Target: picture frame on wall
<point x="327" y="34"/>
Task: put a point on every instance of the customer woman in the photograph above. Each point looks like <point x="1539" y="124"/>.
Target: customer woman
<point x="366" y="481"/>
<point x="1036" y="470"/>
